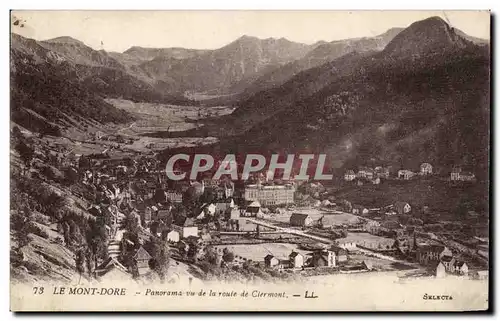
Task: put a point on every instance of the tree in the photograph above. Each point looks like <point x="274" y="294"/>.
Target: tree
<point x="26" y="152"/>
<point x="208" y="196"/>
<point x="80" y="262"/>
<point x="159" y="196"/>
<point x="160" y="251"/>
<point x="227" y="255"/>
<point x="189" y="198"/>
<point x="17" y="134"/>
<point x="71" y="176"/>
<point x="346" y="206"/>
<point x="20" y="222"/>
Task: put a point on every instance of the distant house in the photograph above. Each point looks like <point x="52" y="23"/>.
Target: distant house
<point x="467" y="177"/>
<point x="449" y="263"/>
<point x="402" y="208"/>
<point x="270" y="261"/>
<point x="346" y="244"/>
<point x="349" y="175"/>
<point x="405" y="174"/>
<point x="458" y="175"/>
<point x="142" y="258"/>
<point x="340" y="254"/>
<point x="207" y="209"/>
<point x="382" y="172"/>
<point x="296" y="259"/>
<point x="253" y="209"/>
<point x="431" y="253"/>
<point x="173" y="196"/>
<point x="299" y="219"/>
<point x="365" y="172"/>
<point x="323" y="258"/>
<point x="372" y="226"/>
<point x="359" y="209"/>
<point x="460" y="267"/>
<point x="112" y="271"/>
<point x="367" y="265"/>
<point x="426" y="169"/>
<point x="440" y="270"/>
<point x="186" y="227"/>
<point x="165" y="216"/>
<point x="455" y="173"/>
<point x="173" y="236"/>
<point x="148" y="212"/>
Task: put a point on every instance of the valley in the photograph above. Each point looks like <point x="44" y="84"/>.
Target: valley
<point x="402" y="117"/>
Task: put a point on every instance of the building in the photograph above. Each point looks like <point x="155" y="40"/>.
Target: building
<point x="270" y="194"/>
<point x="382" y="172"/>
<point x="458" y="175"/>
<point x="366" y="173"/>
<point x="372" y="226"/>
<point x="426" y="169"/>
<point x="346" y="244"/>
<point x="270" y="261"/>
<point x="142" y="258"/>
<point x="349" y="175"/>
<point x="402" y="208"/>
<point x="359" y="209"/>
<point x="296" y="260"/>
<point x="367" y="265"/>
<point x="173" y="236"/>
<point x="431" y="253"/>
<point x="165" y="216"/>
<point x="405" y="174"/>
<point x="173" y="196"/>
<point x="148" y="214"/>
<point x="186" y="228"/>
<point x="112" y="271"/>
<point x="455" y="173"/>
<point x="299" y="219"/>
<point x="440" y="270"/>
<point x="377" y="243"/>
<point x="340" y="254"/>
<point x="207" y="209"/>
<point x="460" y="267"/>
<point x="448" y="262"/>
<point x="253" y="210"/>
<point x="323" y="258"/>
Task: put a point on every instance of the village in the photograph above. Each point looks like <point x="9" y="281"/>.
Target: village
<point x="278" y="227"/>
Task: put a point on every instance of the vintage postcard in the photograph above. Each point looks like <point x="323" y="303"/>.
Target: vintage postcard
<point x="249" y="160"/>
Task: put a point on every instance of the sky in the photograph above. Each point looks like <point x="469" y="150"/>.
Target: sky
<point x="120" y="30"/>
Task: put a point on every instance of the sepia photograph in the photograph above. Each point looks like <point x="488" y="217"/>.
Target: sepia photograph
<point x="250" y="160"/>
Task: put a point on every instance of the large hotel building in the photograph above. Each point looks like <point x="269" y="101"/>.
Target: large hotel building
<point x="270" y="194"/>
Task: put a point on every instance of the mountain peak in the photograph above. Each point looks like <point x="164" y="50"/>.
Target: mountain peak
<point x="246" y="38"/>
<point x="65" y="40"/>
<point x="431" y="35"/>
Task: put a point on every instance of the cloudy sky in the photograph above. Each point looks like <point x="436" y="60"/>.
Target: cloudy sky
<point x="119" y="30"/>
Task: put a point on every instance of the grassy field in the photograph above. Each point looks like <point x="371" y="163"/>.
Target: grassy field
<point x="315" y="214"/>
<point x="257" y="252"/>
<point x="161" y="117"/>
